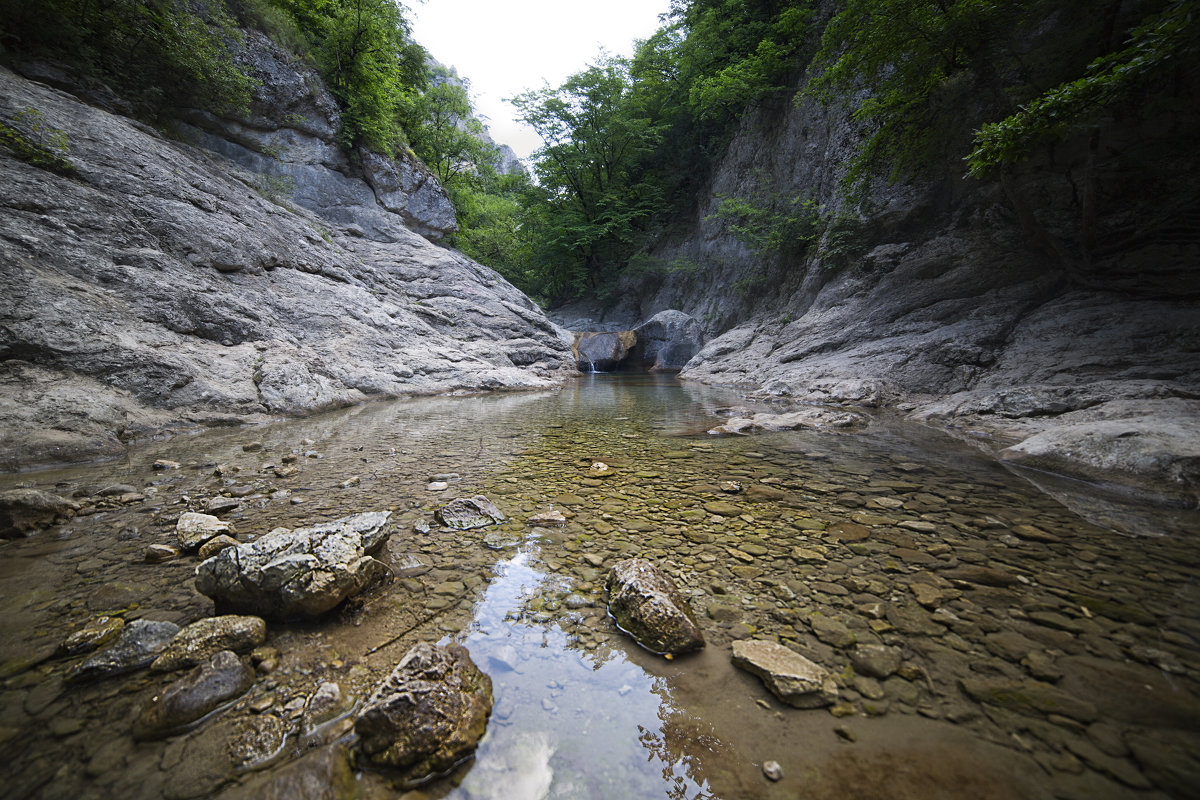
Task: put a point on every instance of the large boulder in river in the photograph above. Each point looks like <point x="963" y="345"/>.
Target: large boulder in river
<point x="649" y="607"/>
<point x="428" y="715"/>
<point x="297" y="573"/>
<point x="602" y="352"/>
<point x="667" y="341"/>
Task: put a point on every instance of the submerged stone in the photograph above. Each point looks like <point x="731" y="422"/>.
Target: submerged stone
<point x="648" y="606"/>
<point x="23" y="511"/>
<point x="139" y="643"/>
<point x="428" y="714"/>
<point x="99" y="631"/>
<point x="790" y="676"/>
<point x="465" y="513"/>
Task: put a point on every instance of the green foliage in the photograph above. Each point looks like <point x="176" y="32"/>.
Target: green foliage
<point x="914" y="58"/>
<point x="1158" y="44"/>
<point x="594" y="202"/>
<point x="444" y="134"/>
<point x="367" y="59"/>
<point x="159" y="54"/>
<point x="30" y="139"/>
<point x="774" y="225"/>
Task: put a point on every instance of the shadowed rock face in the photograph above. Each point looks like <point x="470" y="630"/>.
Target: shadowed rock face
<point x="602" y="352"/>
<point x="163" y="287"/>
<point x="649" y="607"/>
<point x="428" y="715"/>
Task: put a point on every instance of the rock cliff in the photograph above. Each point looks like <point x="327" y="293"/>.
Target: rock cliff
<point x="158" y="284"/>
<point x="939" y="301"/>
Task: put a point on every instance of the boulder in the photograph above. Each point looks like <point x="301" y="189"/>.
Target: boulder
<point x="602" y="351"/>
<point x="23" y="511"/>
<point x="139" y="643"/>
<point x="193" y="529"/>
<point x="297" y="573"/>
<point x="790" y="676"/>
<point x="648" y="606"/>
<point x="465" y="513"/>
<point x="210" y="685"/>
<point x="204" y="638"/>
<point x="428" y="714"/>
<point x="667" y="341"/>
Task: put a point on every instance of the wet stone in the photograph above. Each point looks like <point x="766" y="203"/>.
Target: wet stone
<point x="100" y="631"/>
<point x="875" y="660"/>
<point x="138" y="644"/>
<point x="214" y="546"/>
<point x="788" y="675"/>
<point x="648" y="606"/>
<point x="24" y="511"/>
<point x="428" y="714"/>
<point x="465" y="513"/>
<point x="218" y="506"/>
<point x="204" y="638"/>
<point x="207" y="687"/>
<point x="158" y="553"/>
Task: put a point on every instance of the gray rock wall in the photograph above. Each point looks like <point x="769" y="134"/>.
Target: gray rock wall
<point x="941" y="304"/>
<point x="160" y="286"/>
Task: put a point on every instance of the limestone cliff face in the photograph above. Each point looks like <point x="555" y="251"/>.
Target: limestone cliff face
<point x="163" y="284"/>
<point x="939" y="301"/>
<point x="288" y="143"/>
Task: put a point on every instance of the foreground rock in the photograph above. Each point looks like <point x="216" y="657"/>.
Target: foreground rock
<point x="205" y="638"/>
<point x="428" y="715"/>
<point x="465" y="513"/>
<point x="138" y="644"/>
<point x="648" y="606"/>
<point x="790" y="676"/>
<point x="204" y="689"/>
<point x="23" y="511"/>
<point x="166" y="286"/>
<point x="323" y="774"/>
<point x="297" y="573"/>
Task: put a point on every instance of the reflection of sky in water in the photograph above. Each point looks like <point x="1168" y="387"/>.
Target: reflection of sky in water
<point x="567" y="723"/>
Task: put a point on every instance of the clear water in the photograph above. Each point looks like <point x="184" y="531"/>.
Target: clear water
<point x="830" y="542"/>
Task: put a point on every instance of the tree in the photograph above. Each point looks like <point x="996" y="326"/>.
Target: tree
<point x="590" y="174"/>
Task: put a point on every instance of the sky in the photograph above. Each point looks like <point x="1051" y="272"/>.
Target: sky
<point x="504" y="47"/>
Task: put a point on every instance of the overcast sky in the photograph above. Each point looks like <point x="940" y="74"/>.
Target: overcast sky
<point x="504" y="47"/>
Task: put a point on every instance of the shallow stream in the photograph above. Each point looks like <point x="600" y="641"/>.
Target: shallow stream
<point x="1042" y="654"/>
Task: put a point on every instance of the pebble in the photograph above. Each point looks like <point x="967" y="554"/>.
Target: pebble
<point x="772" y="770"/>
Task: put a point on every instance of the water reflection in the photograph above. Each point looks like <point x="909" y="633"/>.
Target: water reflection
<point x="563" y="710"/>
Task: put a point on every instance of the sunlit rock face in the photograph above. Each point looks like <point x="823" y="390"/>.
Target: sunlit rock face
<point x="602" y="351"/>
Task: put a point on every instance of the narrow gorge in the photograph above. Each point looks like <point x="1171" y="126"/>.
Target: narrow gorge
<point x="341" y="456"/>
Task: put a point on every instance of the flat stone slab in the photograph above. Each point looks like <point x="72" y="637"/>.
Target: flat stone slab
<point x="790" y="676"/>
<point x="465" y="513"/>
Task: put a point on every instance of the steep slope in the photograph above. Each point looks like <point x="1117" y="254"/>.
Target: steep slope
<point x="156" y="286"/>
<point x="942" y="302"/>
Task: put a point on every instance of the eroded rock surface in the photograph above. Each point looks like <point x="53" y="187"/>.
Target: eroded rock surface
<point x="297" y="573"/>
<point x="168" y="286"/>
<point x="649" y="607"/>
<point x="206" y="637"/>
<point x="428" y="714"/>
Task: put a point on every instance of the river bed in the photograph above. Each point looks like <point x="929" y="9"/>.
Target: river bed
<point x="1041" y="653"/>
